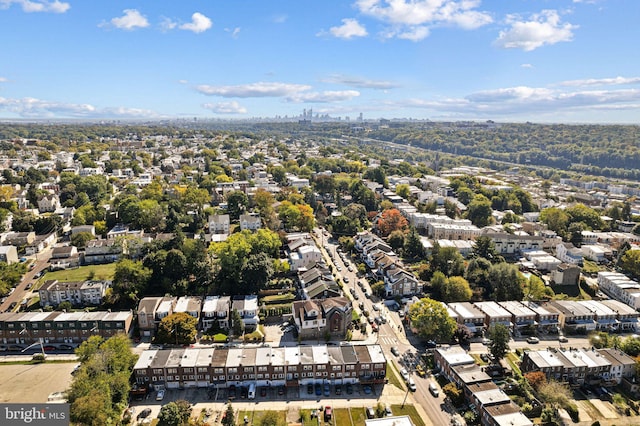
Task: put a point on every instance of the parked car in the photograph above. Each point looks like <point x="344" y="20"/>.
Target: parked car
<point x="431" y="344"/>
<point x="318" y="389"/>
<point x="395" y="351"/>
<point x="533" y="339"/>
<point x="387" y="411"/>
<point x="349" y="388"/>
<point x="326" y="389"/>
<point x="328" y="413"/>
<point x="160" y="395"/>
<point x="405" y="374"/>
<point x="310" y="389"/>
<point x="338" y="390"/>
<point x="434" y="389"/>
<point x="367" y="389"/>
<point x="371" y="413"/>
<point x="281" y="390"/>
<point x="486" y="341"/>
<point x="346" y="280"/>
<point x="563" y="339"/>
<point x="144" y="413"/>
<point x="420" y="371"/>
<point x="263" y="391"/>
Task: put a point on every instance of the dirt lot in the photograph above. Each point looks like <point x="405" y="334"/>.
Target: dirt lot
<point x="33" y="383"/>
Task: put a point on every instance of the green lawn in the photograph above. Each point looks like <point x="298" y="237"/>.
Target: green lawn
<point x="255" y="417"/>
<point x="100" y="272"/>
<point x="341" y="417"/>
<point x="394" y="376"/>
<point x="408" y="410"/>
<point x="358" y="416"/>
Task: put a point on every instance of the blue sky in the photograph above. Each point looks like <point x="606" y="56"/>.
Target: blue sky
<point x="505" y="60"/>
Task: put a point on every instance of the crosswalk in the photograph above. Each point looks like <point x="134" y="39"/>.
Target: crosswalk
<point x="388" y="340"/>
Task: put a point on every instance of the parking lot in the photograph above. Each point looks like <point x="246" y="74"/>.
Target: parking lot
<point x="34" y="383"/>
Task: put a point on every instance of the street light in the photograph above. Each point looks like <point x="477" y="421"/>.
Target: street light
<point x="39" y="342"/>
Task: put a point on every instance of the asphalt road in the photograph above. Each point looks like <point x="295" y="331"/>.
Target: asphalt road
<point x="389" y="335"/>
<point x="41" y="263"/>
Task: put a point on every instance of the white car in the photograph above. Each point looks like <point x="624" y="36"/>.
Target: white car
<point x="405" y="374"/>
<point x="160" y="395"/>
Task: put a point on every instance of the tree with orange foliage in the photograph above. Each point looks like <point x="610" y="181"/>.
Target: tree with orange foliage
<point x="391" y="220"/>
<point x="536" y="379"/>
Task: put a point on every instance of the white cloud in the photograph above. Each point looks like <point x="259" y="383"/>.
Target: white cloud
<point x="544" y="28"/>
<point x="253" y="90"/>
<point x="38" y="108"/>
<point x="3" y="80"/>
<point x="31" y="6"/>
<point x="279" y="19"/>
<point x="167" y="24"/>
<point x="602" y="81"/>
<point x="324" y="97"/>
<point x="232" y="107"/>
<point x="199" y="23"/>
<point x="234" y="31"/>
<point x="350" y="28"/>
<point x="409" y="19"/>
<point x="131" y="20"/>
<point x="183" y="81"/>
<point x="526" y="66"/>
<point x="360" y="82"/>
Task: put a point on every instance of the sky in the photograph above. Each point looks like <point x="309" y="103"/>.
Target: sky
<point x="571" y="61"/>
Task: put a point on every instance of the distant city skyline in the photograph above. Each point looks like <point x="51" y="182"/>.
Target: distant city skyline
<point x="572" y="61"/>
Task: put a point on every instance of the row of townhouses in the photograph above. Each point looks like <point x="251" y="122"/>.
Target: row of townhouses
<point x="574" y="317"/>
<point x="262" y="366"/>
<point x="493" y="406"/>
<point x="151" y="310"/>
<point x="61" y="327"/>
<point x="620" y="287"/>
<point x="78" y="293"/>
<point x="579" y="366"/>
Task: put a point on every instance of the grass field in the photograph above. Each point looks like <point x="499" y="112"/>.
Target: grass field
<point x="99" y="272"/>
<point x="408" y="410"/>
<point x="358" y="416"/>
<point x="255" y="417"/>
<point x="394" y="376"/>
<point x="342" y="416"/>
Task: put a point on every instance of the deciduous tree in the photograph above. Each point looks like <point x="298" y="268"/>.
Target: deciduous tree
<point x="431" y="320"/>
<point x="178" y="328"/>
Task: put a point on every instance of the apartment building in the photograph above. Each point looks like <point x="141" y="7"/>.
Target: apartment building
<point x="79" y="293"/>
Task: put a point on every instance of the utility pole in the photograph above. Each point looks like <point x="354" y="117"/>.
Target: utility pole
<point x="405" y="397"/>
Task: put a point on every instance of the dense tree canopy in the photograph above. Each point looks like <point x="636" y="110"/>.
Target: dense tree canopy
<point x="431" y="320"/>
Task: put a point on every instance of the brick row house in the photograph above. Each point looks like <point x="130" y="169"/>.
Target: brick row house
<point x="73" y="328"/>
<point x="577" y="366"/>
<point x="262" y="366"/>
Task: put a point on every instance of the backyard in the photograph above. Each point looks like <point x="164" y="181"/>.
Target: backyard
<point x="83" y="273"/>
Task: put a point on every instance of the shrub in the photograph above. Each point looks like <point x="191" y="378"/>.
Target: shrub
<point x="572" y="409"/>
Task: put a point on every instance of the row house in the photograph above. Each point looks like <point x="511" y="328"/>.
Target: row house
<point x="597" y="253"/>
<point x="493" y="406"/>
<point x="574" y="317"/>
<point x="566" y="274"/>
<point x="191" y="305"/>
<point x="494" y="314"/>
<point x="79" y="294"/>
<point x="626" y="316"/>
<point x="470" y="316"/>
<point x="568" y="253"/>
<point x="511" y="244"/>
<point x="19" y="239"/>
<point x="620" y="287"/>
<point x="453" y="231"/>
<point x="578" y="366"/>
<point x="604" y="316"/>
<point x="247" y="307"/>
<point x="215" y="312"/>
<point x="64" y="258"/>
<point x="150" y="312"/>
<point x="314" y="319"/>
<point x="548" y="320"/>
<point x="521" y="316"/>
<point x="102" y="251"/>
<point x="40" y="243"/>
<point x="262" y="366"/>
<point x="71" y="328"/>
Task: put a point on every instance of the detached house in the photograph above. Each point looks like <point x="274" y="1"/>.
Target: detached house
<point x="399" y="282"/>
<point x="251" y="222"/>
<point x="219" y="224"/>
<point x="48" y="203"/>
<point x="315" y="318"/>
